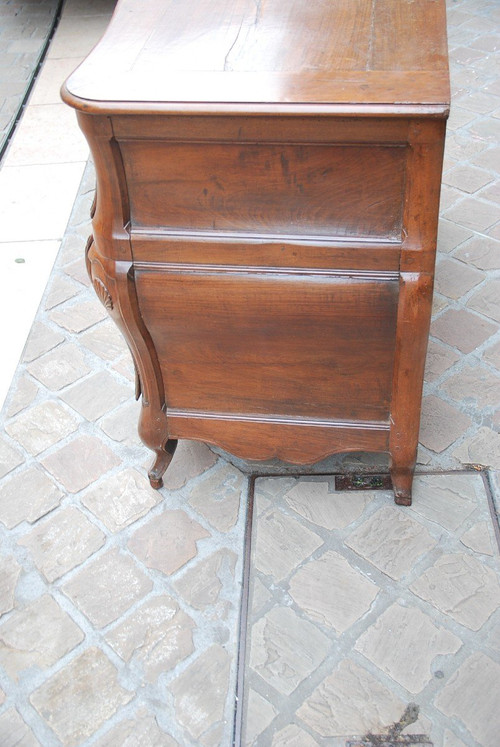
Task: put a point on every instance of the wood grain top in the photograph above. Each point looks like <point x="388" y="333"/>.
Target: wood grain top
<point x="267" y="52"/>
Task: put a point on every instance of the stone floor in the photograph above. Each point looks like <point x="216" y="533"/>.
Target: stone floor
<point x="41" y="171"/>
<point x="25" y="26"/>
<point x="371" y="619"/>
<point x="119" y="606"/>
<point x="461" y="407"/>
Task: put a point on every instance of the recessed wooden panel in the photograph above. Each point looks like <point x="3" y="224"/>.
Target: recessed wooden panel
<point x="256" y="343"/>
<point x="318" y="190"/>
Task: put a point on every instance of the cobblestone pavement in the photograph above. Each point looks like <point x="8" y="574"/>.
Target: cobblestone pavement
<point x="366" y="615"/>
<point x="25" y="26"/>
<point x="119" y="604"/>
<point x="461" y="415"/>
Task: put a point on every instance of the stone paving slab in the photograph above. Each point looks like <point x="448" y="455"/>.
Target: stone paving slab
<point x="395" y="611"/>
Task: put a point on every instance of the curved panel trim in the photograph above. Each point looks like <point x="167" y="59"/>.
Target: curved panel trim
<point x="281" y="420"/>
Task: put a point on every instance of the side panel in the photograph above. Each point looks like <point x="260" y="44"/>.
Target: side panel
<point x="271" y="343"/>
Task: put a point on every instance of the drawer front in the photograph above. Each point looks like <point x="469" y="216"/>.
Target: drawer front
<point x="306" y="346"/>
<point x="273" y="189"/>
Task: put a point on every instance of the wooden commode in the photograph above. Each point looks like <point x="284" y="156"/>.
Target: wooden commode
<point x="264" y="234"/>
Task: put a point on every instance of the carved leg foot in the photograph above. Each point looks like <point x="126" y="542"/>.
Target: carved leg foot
<point x="160" y="464"/>
<point x="402" y="479"/>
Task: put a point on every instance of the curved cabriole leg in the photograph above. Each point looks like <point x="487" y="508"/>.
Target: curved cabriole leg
<point x="402" y="479"/>
<point x="153" y="430"/>
<point x="160" y="464"/>
<point x="110" y="266"/>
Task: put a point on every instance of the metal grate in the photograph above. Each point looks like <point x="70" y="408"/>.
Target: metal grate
<point x="416" y="740"/>
<point x="363" y="482"/>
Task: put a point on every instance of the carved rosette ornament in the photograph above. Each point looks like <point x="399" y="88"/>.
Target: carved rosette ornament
<point x="100" y="288"/>
<point x="102" y="293"/>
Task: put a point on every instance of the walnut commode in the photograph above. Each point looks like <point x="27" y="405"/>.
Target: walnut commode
<point x="264" y="234"/>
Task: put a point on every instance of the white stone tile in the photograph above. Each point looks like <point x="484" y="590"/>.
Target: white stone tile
<point x="72" y="708"/>
<point x="47" y="133"/>
<point x="478" y="676"/>
<point x="293" y="736"/>
<point x="142" y="729"/>
<point x="121" y="499"/>
<point x="391" y="540"/>
<point x="478" y="538"/>
<point x="216" y="497"/>
<point x="285" y="649"/>
<point x="192" y="458"/>
<point x="62" y="542"/>
<point x="77" y="39"/>
<point x="23" y="395"/>
<point x="36" y="636"/>
<point x="260" y="596"/>
<point x="259" y="715"/>
<point x="209" y="585"/>
<point x="107" y="587"/>
<point x="462" y="587"/>
<point x="14" y="731"/>
<point x="10" y="457"/>
<point x="168" y="541"/>
<point x="446" y="499"/>
<point x="313" y="501"/>
<point x="52" y="76"/>
<point x="27" y="496"/>
<point x="332" y="592"/>
<point x="157" y="636"/>
<point x="21" y="287"/>
<point x="483" y="448"/>
<point x="36" y="201"/>
<point x="350" y="701"/>
<point x="403" y="643"/>
<point x="9" y="575"/>
<point x="200" y="692"/>
<point x="42" y="426"/>
<point x="281" y="543"/>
